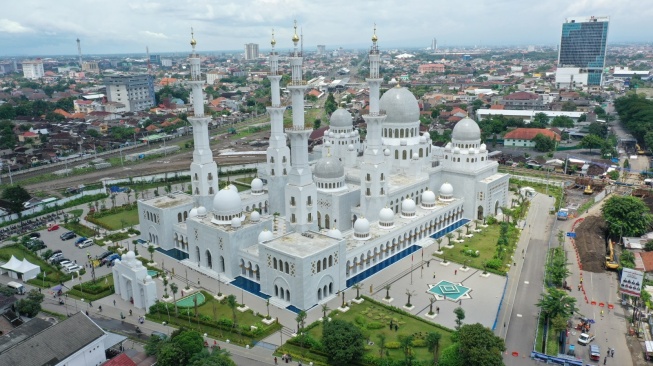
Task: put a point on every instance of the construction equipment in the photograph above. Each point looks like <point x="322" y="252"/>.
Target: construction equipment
<point x="588" y="190"/>
<point x="640" y="151"/>
<point x="609" y="259"/>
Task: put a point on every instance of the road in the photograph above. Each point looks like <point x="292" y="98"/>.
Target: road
<point x="518" y="321"/>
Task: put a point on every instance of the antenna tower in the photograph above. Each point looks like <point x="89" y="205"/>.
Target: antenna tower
<point x="79" y="51"/>
<point x="149" y="65"/>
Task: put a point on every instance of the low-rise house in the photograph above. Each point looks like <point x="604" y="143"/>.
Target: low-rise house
<point x="523" y="137"/>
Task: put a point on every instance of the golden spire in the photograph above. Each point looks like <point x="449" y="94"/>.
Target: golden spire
<point x="192" y="38"/>
<point x="374" y="37"/>
<point x="295" y="37"/>
<point x="273" y="41"/>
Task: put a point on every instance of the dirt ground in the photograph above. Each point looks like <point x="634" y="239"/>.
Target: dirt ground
<point x="590" y="241"/>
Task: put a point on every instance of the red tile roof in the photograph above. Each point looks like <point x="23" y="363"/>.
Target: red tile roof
<point x="120" y="360"/>
<point x="647" y="259"/>
<point x="497" y="106"/>
<point x="521" y="96"/>
<point x="530" y="133"/>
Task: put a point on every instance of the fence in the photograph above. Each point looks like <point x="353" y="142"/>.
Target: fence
<point x="555" y="183"/>
<point x="503" y="294"/>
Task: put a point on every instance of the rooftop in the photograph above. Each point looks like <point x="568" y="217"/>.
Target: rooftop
<point x="170" y="200"/>
<point x="301" y="246"/>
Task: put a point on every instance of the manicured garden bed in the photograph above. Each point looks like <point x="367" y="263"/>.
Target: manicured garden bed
<point x="122" y="218"/>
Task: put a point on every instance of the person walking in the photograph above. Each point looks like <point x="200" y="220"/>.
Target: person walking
<point x="605" y="359"/>
<point x="114" y="302"/>
<point x="612" y="352"/>
<point x="455" y="272"/>
<point x="275" y="360"/>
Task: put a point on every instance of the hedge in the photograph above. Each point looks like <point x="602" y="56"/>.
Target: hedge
<point x="405" y="313"/>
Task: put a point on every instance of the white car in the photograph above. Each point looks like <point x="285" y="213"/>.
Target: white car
<point x="72" y="269"/>
<point x="85" y="244"/>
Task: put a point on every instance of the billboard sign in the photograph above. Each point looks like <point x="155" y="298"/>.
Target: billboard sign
<point x="631" y="282"/>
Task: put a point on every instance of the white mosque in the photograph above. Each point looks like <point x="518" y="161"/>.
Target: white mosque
<point x="305" y="231"/>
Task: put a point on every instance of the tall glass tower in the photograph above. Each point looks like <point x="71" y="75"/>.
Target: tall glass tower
<point x="583" y="44"/>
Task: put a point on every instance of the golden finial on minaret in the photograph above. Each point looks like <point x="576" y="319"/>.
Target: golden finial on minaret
<point x="295" y="37"/>
<point x="193" y="42"/>
<point x="273" y="41"/>
<point x="374" y="37"/>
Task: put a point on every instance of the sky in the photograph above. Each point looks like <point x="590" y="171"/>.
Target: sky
<point x="40" y="28"/>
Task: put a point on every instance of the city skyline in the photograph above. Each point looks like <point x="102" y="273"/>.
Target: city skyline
<point x="164" y="26"/>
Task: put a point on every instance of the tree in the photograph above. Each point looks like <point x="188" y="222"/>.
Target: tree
<point x="562" y="121"/>
<point x="451" y="356"/>
<point x="217" y="357"/>
<point x="300" y="319"/>
<point x="406" y="344"/>
<point x="15" y="196"/>
<point x="180" y="349"/>
<point x="151" y="250"/>
<point x="460" y="316"/>
<point x="543" y="143"/>
<point x="409" y="294"/>
<point x="174" y="288"/>
<point x="591" y="142"/>
<point x="317" y="123"/>
<point x="557" y="302"/>
<point x="31" y="305"/>
<point x="387" y="291"/>
<point x="648" y="246"/>
<point x="330" y="104"/>
<point x="232" y="304"/>
<point x="540" y="119"/>
<point x="599" y="129"/>
<point x="614" y="175"/>
<point x="342" y="342"/>
<point x="381" y="338"/>
<point x="439" y="241"/>
<point x="648" y="140"/>
<point x="449" y="236"/>
<point x="358" y="286"/>
<point x="325" y="309"/>
<point x="433" y="344"/>
<point x="626" y="216"/>
<point x="569" y="106"/>
<point x="432" y="301"/>
<point x="479" y="346"/>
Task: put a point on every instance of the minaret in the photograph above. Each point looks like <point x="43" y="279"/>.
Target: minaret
<point x="203" y="169"/>
<point x="301" y="191"/>
<point x="278" y="153"/>
<point x="374" y="171"/>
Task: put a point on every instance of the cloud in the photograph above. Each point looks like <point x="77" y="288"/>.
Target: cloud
<point x="9" y="26"/>
<point x="154" y="35"/>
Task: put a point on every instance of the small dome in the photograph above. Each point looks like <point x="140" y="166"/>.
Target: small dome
<point x="446" y="191"/>
<point x="448" y="145"/>
<point x="422" y="139"/>
<point x="408" y="206"/>
<point x="362" y="228"/>
<point x="415" y="156"/>
<point x="148" y="278"/>
<point x="327" y="144"/>
<point x="334" y="233"/>
<point x="201" y="211"/>
<point x="428" y="197"/>
<point x="265" y="235"/>
<point x="386" y="215"/>
<point x="257" y="185"/>
<point x="400" y="106"/>
<point x="227" y="202"/>
<point x="466" y="130"/>
<point x="341" y="118"/>
<point x="456" y="150"/>
<point x="483" y="148"/>
<point x="192" y="213"/>
<point x="255" y="216"/>
<point x="386" y="152"/>
<point x="403" y="142"/>
<point x="329" y="168"/>
<point x="235" y="222"/>
<point x="350" y="147"/>
<point x="130" y="255"/>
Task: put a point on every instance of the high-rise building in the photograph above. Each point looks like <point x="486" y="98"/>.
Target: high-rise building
<point x="583" y="45"/>
<point x="251" y="51"/>
<point x="321" y="49"/>
<point x="434" y="45"/>
<point x="136" y="92"/>
<point x="33" y="69"/>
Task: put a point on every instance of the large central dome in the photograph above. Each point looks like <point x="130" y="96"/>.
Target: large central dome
<point x="329" y="168"/>
<point x="341" y="118"/>
<point x="400" y="106"/>
<point x="466" y="130"/>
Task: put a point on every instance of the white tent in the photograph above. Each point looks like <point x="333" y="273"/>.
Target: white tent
<point x="22" y="270"/>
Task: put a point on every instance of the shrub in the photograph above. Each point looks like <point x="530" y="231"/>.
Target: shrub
<point x="392" y="345"/>
<point x="375" y="325"/>
<point x="419" y="343"/>
<point x="360" y="320"/>
<point x="225" y="322"/>
<point x="494" y="264"/>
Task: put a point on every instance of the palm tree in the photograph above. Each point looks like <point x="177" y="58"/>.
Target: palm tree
<point x="467" y="226"/>
<point x="301" y="317"/>
<point x="449" y="236"/>
<point x="325" y="308"/>
<point x="174" y="289"/>
<point x="151" y="250"/>
<point x="381" y="337"/>
<point x="433" y="344"/>
<point x="410" y="294"/>
<point x="439" y="241"/>
<point x="165" y="287"/>
<point x="431" y="302"/>
<point x="129" y="196"/>
<point x="556" y="303"/>
<point x="477" y="223"/>
<point x="232" y="304"/>
<point x="407" y="347"/>
<point x="267" y="305"/>
<point x="113" y="201"/>
<point x="358" y="286"/>
<point x="387" y="292"/>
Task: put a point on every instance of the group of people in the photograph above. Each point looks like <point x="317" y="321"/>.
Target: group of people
<point x="285" y="357"/>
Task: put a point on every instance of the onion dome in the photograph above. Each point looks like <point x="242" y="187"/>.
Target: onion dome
<point x="201" y="211"/>
<point x="428" y="199"/>
<point x="329" y="168"/>
<point x="255" y="216"/>
<point x="415" y="156"/>
<point x="386" y="152"/>
<point x="257" y="186"/>
<point x="295" y="37"/>
<point x="192" y="213"/>
<point x="235" y="221"/>
<point x="334" y="233"/>
<point x="341" y="118"/>
<point x="265" y="235"/>
<point x="408" y="207"/>
<point x="386" y="218"/>
<point x="226" y="205"/>
<point x="483" y="148"/>
<point x="400" y="106"/>
<point x="466" y="130"/>
<point x="273" y="42"/>
<point x="362" y="229"/>
<point x="350" y="147"/>
<point x="446" y="192"/>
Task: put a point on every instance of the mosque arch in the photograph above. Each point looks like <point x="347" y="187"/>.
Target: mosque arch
<point x="479" y="213"/>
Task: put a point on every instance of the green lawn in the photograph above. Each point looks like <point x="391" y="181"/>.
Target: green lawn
<point x="371" y="312"/>
<point x="79" y="229"/>
<point x="551" y="341"/>
<point x="485" y="242"/>
<point x="112" y="221"/>
<point x="76" y="212"/>
<point x="52" y="275"/>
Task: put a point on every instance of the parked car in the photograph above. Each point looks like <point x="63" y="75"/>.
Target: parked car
<point x="87" y="243"/>
<point x="585" y="339"/>
<point x="53" y="227"/>
<point x="35" y="235"/>
<point x="72" y="269"/>
<point x="35" y="244"/>
<point x="81" y="239"/>
<point x="104" y="255"/>
<point x="110" y="259"/>
<point x="55" y="256"/>
<point x="595" y="352"/>
<point x="65" y="262"/>
<point x="59" y="260"/>
<point x="67" y="235"/>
